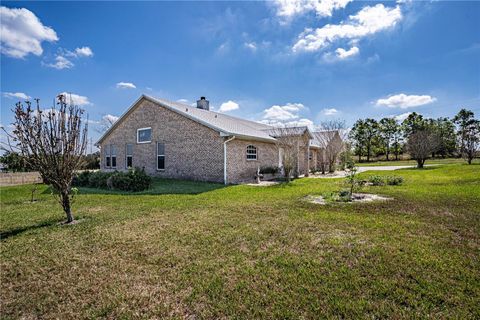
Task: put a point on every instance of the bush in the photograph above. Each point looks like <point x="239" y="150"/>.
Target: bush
<point x="133" y="180"/>
<point x="376" y="180"/>
<point x="271" y="170"/>
<point x="394" y="180"/>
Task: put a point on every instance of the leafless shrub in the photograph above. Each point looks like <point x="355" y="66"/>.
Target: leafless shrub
<point x="52" y="141"/>
<point x="331" y="137"/>
<point x="421" y="144"/>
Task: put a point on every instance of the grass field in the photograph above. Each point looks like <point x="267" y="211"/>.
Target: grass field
<point x="204" y="251"/>
<point x="414" y="163"/>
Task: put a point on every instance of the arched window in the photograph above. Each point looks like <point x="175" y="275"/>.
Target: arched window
<point x="251" y="152"/>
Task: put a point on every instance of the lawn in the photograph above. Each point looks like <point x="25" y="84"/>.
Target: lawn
<point x="414" y="163"/>
<point x="207" y="251"/>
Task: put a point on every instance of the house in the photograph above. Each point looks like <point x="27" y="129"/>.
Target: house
<point x="174" y="140"/>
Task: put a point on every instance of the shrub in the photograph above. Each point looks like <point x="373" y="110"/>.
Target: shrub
<point x="133" y="180"/>
<point x="376" y="180"/>
<point x="271" y="170"/>
<point x="394" y="180"/>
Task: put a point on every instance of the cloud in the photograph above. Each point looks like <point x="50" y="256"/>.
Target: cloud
<point x="404" y="101"/>
<point x="83" y="52"/>
<point x="402" y="116"/>
<point x="22" y="33"/>
<point x="60" y="63"/>
<point x="76" y="99"/>
<point x="228" y="106"/>
<point x="283" y="113"/>
<point x="126" y="85"/>
<point x="367" y="21"/>
<point x="110" y="118"/>
<point x="16" y="95"/>
<point x="343" y="54"/>
<point x="251" y="45"/>
<point x="323" y="8"/>
<point x="330" y="112"/>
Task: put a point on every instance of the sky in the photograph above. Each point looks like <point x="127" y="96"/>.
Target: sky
<point x="297" y="62"/>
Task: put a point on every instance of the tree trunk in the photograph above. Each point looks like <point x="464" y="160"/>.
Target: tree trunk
<point x="396" y="156"/>
<point x="359" y="157"/>
<point x="469" y="160"/>
<point x="388" y="152"/>
<point x="420" y="163"/>
<point x="368" y="154"/>
<point x="66" y="207"/>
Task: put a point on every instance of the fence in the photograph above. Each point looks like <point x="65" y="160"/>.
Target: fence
<point x="16" y="178"/>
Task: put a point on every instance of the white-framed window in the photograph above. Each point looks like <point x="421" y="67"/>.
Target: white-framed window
<point x="144" y="135"/>
<point x="128" y="155"/>
<point x="113" y="150"/>
<point x="251" y="152"/>
<point x="108" y="159"/>
<point x="160" y="156"/>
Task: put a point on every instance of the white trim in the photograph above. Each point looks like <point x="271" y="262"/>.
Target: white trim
<point x="127" y="155"/>
<point x="251" y="154"/>
<point x="138" y="142"/>
<point x="225" y="181"/>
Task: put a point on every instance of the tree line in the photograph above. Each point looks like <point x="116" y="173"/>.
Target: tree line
<point x="420" y="137"/>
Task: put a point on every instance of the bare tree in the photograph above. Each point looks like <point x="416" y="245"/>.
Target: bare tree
<point x="421" y="144"/>
<point x="106" y="123"/>
<point x="288" y="141"/>
<point x="53" y="142"/>
<point x="331" y="137"/>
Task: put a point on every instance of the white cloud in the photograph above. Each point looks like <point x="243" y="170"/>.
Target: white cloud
<point x="16" y="95"/>
<point x="343" y="54"/>
<point x="283" y="113"/>
<point x="110" y="118"/>
<point x="251" y="45"/>
<point x="330" y="112"/>
<point x="126" y="85"/>
<point x="404" y="101"/>
<point x="83" y="52"/>
<point x="402" y="116"/>
<point x="367" y="21"/>
<point x="323" y="8"/>
<point x="60" y="63"/>
<point x="76" y="99"/>
<point x="22" y="33"/>
<point x="228" y="106"/>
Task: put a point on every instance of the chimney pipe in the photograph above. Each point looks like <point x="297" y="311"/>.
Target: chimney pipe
<point x="203" y="104"/>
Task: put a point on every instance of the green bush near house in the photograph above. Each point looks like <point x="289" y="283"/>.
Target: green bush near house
<point x="134" y="180"/>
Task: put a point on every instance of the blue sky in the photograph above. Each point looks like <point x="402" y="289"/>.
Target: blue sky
<point x="296" y="61"/>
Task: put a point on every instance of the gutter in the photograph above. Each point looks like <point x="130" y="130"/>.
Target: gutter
<point x="225" y="159"/>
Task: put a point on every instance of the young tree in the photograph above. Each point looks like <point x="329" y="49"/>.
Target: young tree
<point x="53" y="142"/>
<point x="421" y="144"/>
<point x="288" y="142"/>
<point x="331" y="137"/>
<point x="388" y="129"/>
<point x="468" y="133"/>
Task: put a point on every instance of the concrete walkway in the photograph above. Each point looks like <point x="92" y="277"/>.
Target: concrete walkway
<point x="342" y="174"/>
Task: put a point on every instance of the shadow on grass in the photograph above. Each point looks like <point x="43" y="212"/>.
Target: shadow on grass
<point x="13" y="232"/>
<point x="162" y="186"/>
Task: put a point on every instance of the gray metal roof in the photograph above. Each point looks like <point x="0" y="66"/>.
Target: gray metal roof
<point x="321" y="138"/>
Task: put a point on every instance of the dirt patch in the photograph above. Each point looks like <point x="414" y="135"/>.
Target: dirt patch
<point x="356" y="197"/>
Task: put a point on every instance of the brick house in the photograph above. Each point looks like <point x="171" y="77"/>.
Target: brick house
<point x="175" y="140"/>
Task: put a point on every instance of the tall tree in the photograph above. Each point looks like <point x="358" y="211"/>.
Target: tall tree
<point x="53" y="142"/>
<point x="358" y="136"/>
<point x="413" y="123"/>
<point x="445" y="131"/>
<point x="371" y="135"/>
<point x="468" y="133"/>
<point x="388" y="129"/>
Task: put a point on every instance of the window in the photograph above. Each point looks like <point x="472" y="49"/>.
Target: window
<point x="251" y="153"/>
<point x="160" y="156"/>
<point x="108" y="163"/>
<point x="129" y="155"/>
<point x="144" y="135"/>
<point x="114" y="155"/>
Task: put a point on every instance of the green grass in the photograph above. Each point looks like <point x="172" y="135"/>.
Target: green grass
<point x="414" y="163"/>
<point x="203" y="251"/>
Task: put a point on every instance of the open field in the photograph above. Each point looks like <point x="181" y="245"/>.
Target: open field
<point x="204" y="251"/>
<point x="414" y="163"/>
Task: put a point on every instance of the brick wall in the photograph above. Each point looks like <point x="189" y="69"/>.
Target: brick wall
<point x="192" y="151"/>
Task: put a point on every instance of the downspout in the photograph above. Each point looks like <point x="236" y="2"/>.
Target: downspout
<point x="225" y="159"/>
